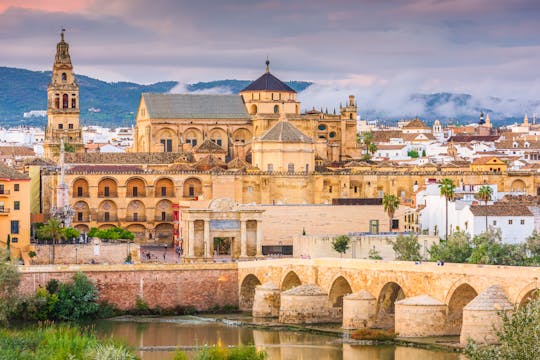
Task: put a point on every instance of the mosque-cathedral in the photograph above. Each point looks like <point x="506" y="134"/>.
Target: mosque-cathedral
<point x="254" y="148"/>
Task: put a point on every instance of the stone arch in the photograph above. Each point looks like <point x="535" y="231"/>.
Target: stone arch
<point x="192" y="187"/>
<point x="242" y="135"/>
<point x="107" y="211"/>
<point x="163" y="210"/>
<point x="106" y="226"/>
<point x="82" y="211"/>
<point x="518" y="185"/>
<point x="164" y="187"/>
<point x="193" y="136"/>
<point x="528" y="293"/>
<point x="164" y="233"/>
<point x="253" y="109"/>
<point x="135" y="187"/>
<point x="82" y="228"/>
<point x="166" y="137"/>
<point x="138" y="230"/>
<point x="389" y="294"/>
<point x="340" y="287"/>
<point x="135" y="211"/>
<point x="107" y="187"/>
<point x="290" y="280"/>
<point x="80" y="187"/>
<point x="218" y="136"/>
<point x="247" y="292"/>
<point x="460" y="296"/>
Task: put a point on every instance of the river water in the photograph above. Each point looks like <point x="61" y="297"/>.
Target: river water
<point x="157" y="338"/>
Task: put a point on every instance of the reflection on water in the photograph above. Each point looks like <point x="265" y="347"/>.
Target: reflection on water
<point x="189" y="332"/>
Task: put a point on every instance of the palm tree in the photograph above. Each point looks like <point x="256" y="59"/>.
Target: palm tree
<point x="371" y="148"/>
<point x="390" y="204"/>
<point x="485" y="193"/>
<point x="446" y="188"/>
<point x="51" y="229"/>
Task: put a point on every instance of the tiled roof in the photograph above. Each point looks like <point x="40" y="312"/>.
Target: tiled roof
<point x="208" y="146"/>
<point x="237" y="163"/>
<point x="126" y="158"/>
<point x="415" y="136"/>
<point x="268" y="82"/>
<point x="7" y="172"/>
<point x="104" y="168"/>
<point x="16" y="151"/>
<point x="518" y="144"/>
<point x="484" y="160"/>
<point x="284" y="131"/>
<point x="416" y="124"/>
<point x="190" y="106"/>
<point x="385" y="135"/>
<point x="499" y="209"/>
<point x="471" y="138"/>
<point x="391" y="147"/>
<point x="209" y="162"/>
<point x="36" y="161"/>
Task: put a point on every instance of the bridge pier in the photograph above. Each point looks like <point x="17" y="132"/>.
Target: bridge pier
<point x="359" y="310"/>
<point x="420" y="316"/>
<point x="267" y="301"/>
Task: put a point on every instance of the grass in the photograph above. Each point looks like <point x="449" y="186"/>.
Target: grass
<point x="374" y="334"/>
<point x="245" y="352"/>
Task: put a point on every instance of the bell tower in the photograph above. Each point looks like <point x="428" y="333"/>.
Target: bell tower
<point x="62" y="105"/>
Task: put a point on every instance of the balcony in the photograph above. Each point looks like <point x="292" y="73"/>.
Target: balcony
<point x="4" y="211"/>
<point x="4" y="192"/>
<point x="167" y="194"/>
<point x="82" y="220"/>
<point x="164" y="218"/>
<point x="110" y="194"/>
<point x="81" y="195"/>
<point x="139" y="194"/>
<point x="111" y="218"/>
<point x="140" y="218"/>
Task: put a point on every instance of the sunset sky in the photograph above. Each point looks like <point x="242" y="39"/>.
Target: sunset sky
<point x="391" y="47"/>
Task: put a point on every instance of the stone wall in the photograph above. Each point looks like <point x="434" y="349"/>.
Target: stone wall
<point x="201" y="286"/>
<point x="96" y="250"/>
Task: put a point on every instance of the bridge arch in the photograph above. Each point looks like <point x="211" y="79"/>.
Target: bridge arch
<point x="518" y="186"/>
<point x="247" y="292"/>
<point x="389" y="294"/>
<point x="290" y="280"/>
<point x="459" y="296"/>
<point x="529" y="292"/>
<point x="340" y="287"/>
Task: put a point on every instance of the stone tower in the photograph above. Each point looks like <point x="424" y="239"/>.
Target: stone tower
<point x="62" y="105"/>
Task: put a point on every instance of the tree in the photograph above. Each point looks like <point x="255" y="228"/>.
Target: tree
<point x="406" y="248"/>
<point x="489" y="249"/>
<point x="374" y="254"/>
<point x="447" y="188"/>
<point x="71" y="233"/>
<point x="390" y="204"/>
<point x="369" y="146"/>
<point x="413" y="154"/>
<point x="457" y="249"/>
<point x="9" y="283"/>
<point x="532" y="246"/>
<point x="52" y="230"/>
<point x="485" y="193"/>
<point x="341" y="244"/>
<point x="518" y="338"/>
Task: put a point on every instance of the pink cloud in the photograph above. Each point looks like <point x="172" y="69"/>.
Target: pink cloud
<point x="48" y="5"/>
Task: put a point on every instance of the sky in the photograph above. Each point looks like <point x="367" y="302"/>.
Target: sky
<point x="381" y="51"/>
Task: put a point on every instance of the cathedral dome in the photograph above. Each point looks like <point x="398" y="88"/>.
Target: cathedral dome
<point x="268" y="82"/>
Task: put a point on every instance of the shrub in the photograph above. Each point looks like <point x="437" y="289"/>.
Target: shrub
<point x="340" y="244"/>
<point x="76" y="300"/>
<point x="217" y="352"/>
<point x="373" y="334"/>
<point x="406" y="248"/>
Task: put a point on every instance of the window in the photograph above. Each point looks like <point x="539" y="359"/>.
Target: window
<point x="64" y="77"/>
<point x="219" y="142"/>
<point x="332" y="134"/>
<point x="381" y="194"/>
<point x="522" y="222"/>
<point x="163" y="216"/>
<point x="510" y="222"/>
<point x="395" y="224"/>
<point x="65" y="101"/>
<point x="494" y="222"/>
<point x="17" y="206"/>
<point x="106" y="191"/>
<point x="2" y="191"/>
<point x="374" y="226"/>
<point x="73" y="103"/>
<point x="15" y="240"/>
<point x="330" y="189"/>
<point x="107" y="216"/>
<point x="60" y="126"/>
<point x="270" y="167"/>
<point x="70" y="126"/>
<point x="79" y="191"/>
<point x="57" y="102"/>
<point x="250" y="189"/>
<point x="79" y="216"/>
<point x="276" y="107"/>
<point x="135" y="216"/>
<point x="191" y="190"/>
<point x="163" y="191"/>
<point x="14" y="226"/>
<point x="356" y="189"/>
<point x="290" y="168"/>
<point x="322" y="127"/>
<point x="135" y="191"/>
<point x="16" y="187"/>
<point x="167" y="145"/>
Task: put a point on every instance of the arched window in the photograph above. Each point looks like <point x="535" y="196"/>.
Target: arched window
<point x="73" y="103"/>
<point x="276" y="108"/>
<point x="332" y="134"/>
<point x="65" y="101"/>
<point x="253" y="109"/>
<point x="64" y="77"/>
<point x="350" y="116"/>
<point x="57" y="102"/>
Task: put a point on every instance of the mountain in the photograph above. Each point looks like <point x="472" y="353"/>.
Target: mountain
<point x="102" y="103"/>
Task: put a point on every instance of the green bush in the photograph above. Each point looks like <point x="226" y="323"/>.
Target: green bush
<point x="113" y="233"/>
<point x="373" y="334"/>
<point x="217" y="352"/>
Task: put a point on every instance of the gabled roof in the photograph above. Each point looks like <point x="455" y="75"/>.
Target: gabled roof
<point x="208" y="146"/>
<point x="284" y="131"/>
<point x="190" y="106"/>
<point x="416" y="124"/>
<point x="268" y="82"/>
<point x="7" y="172"/>
<point x="486" y="160"/>
<point x="501" y="210"/>
<point x="16" y="150"/>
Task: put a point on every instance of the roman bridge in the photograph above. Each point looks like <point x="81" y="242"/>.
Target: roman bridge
<point x="451" y="286"/>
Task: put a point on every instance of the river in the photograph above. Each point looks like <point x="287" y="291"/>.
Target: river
<point x="157" y="338"/>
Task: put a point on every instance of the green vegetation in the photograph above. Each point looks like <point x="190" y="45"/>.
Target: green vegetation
<point x="217" y="352"/>
<point x="373" y="254"/>
<point x="518" y="337"/>
<point x="390" y="204"/>
<point x="485" y="193"/>
<point x="413" y="154"/>
<point x="406" y="247"/>
<point x="369" y="146"/>
<point x="59" y="343"/>
<point x="447" y="188"/>
<point x="113" y="233"/>
<point x="374" y="334"/>
<point x="9" y="284"/>
<point x="341" y="244"/>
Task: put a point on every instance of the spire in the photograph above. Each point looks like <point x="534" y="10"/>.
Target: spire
<point x="525" y="120"/>
<point x="62" y="35"/>
<point x="62" y="58"/>
<point x="267" y="65"/>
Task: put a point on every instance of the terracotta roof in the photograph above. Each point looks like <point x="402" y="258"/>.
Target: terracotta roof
<point x="104" y="168"/>
<point x="484" y="160"/>
<point x="16" y="151"/>
<point x="208" y="146"/>
<point x="470" y="138"/>
<point x="209" y="162"/>
<point x="180" y="167"/>
<point x="284" y="131"/>
<point x="190" y="106"/>
<point x="415" y="136"/>
<point x="501" y="209"/>
<point x="391" y="147"/>
<point x="268" y="82"/>
<point x="519" y="144"/>
<point x="416" y="124"/>
<point x="127" y="158"/>
<point x="385" y="136"/>
<point x="237" y="163"/>
<point x="36" y="161"/>
<point x="7" y="172"/>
